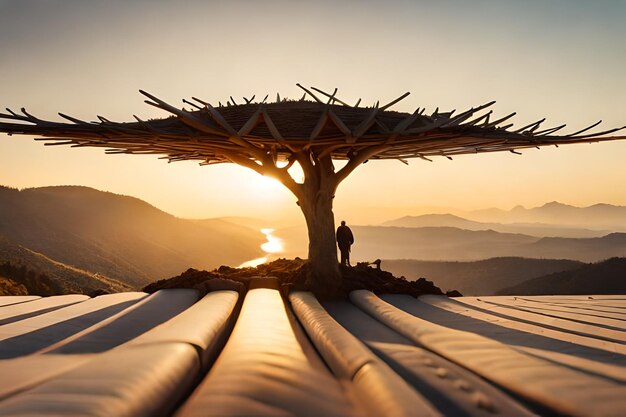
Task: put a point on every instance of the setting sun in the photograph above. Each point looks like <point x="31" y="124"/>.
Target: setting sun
<point x="265" y="188"/>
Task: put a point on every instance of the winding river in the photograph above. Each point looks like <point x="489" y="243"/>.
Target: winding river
<point x="272" y="246"/>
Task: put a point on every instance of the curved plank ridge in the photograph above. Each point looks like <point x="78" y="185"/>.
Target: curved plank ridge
<point x="22" y="341"/>
<point x="579" y="352"/>
<point x="386" y="393"/>
<point x="558" y="388"/>
<point x="6" y="300"/>
<point x="607" y="318"/>
<point x="146" y="380"/>
<point x="453" y="390"/>
<point x="21" y="311"/>
<point x="147" y="376"/>
<point x="129" y="323"/>
<point x="610" y="334"/>
<point x="264" y="371"/>
<point x="41" y="331"/>
<point x="202" y="325"/>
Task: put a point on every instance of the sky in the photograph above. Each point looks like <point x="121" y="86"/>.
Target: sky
<point x="560" y="59"/>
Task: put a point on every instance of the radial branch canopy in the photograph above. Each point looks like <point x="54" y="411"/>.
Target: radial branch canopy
<point x="257" y="133"/>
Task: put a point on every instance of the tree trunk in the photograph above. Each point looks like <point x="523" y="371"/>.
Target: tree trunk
<point x="315" y="197"/>
<point x="320" y="220"/>
<point x="316" y="202"/>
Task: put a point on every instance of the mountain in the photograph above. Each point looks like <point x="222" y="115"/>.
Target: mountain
<point x="119" y="237"/>
<point x="586" y="250"/>
<point x="485" y="277"/>
<point x="427" y="243"/>
<point x="597" y="216"/>
<point x="532" y="229"/>
<point x="435" y="220"/>
<point x="607" y="277"/>
<point x="40" y="275"/>
<point x="454" y="244"/>
<point x="435" y="243"/>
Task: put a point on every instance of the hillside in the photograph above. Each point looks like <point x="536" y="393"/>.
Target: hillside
<point x="532" y="229"/>
<point x="485" y="277"/>
<point x="454" y="244"/>
<point x="116" y="236"/>
<point x="586" y="250"/>
<point x="427" y="243"/>
<point x="41" y="275"/>
<point x="607" y="277"/>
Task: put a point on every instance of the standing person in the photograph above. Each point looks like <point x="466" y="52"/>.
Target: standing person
<point x="344" y="240"/>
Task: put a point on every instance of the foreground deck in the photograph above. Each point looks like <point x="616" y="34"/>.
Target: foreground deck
<point x="261" y="354"/>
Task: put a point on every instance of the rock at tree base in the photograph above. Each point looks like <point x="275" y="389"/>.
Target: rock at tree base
<point x="292" y="274"/>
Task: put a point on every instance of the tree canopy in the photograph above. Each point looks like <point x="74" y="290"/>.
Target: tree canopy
<point x="259" y="134"/>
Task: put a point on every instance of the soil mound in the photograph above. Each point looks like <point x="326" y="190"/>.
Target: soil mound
<point x="292" y="275"/>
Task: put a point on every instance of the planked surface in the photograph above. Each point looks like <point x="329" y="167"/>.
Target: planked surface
<point x="266" y="354"/>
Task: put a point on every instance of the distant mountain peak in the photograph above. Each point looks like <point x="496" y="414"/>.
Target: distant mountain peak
<point x="604" y="205"/>
<point x="435" y="216"/>
<point x="555" y="204"/>
<point x="431" y="220"/>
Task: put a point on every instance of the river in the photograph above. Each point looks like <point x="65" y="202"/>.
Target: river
<point x="272" y="246"/>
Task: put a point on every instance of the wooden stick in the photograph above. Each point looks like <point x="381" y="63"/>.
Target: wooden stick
<point x="343" y="103"/>
<point x="310" y="93"/>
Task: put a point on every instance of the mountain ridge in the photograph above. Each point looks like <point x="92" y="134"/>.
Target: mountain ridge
<point x="120" y="237"/>
<point x="606" y="277"/>
<point x="454" y="244"/>
<point x="601" y="216"/>
<point x="532" y="229"/>
<point x="482" y="277"/>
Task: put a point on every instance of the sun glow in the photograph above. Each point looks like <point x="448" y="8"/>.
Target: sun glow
<point x="265" y="188"/>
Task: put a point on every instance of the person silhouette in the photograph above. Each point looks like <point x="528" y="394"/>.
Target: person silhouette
<point x="344" y="240"/>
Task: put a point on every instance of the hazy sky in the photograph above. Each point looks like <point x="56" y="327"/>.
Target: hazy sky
<point x="564" y="60"/>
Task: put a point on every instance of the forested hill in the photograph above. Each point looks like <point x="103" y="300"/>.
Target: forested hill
<point x="484" y="277"/>
<point x="607" y="277"/>
<point x="116" y="236"/>
<point x="24" y="271"/>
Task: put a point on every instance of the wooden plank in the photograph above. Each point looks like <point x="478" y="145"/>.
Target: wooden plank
<point x="597" y="315"/>
<point x="583" y="306"/>
<point x="557" y="388"/>
<point x="453" y="390"/>
<point x="145" y="380"/>
<point x="613" y="300"/>
<point x="609" y="339"/>
<point x="202" y="325"/>
<point x="128" y="324"/>
<point x="6" y="300"/>
<point x="20" y="311"/>
<point x="571" y="298"/>
<point x="114" y="329"/>
<point x="264" y="370"/>
<point x="29" y="371"/>
<point x="39" y="332"/>
<point x="382" y="391"/>
<point x="587" y="317"/>
<point x="568" y="349"/>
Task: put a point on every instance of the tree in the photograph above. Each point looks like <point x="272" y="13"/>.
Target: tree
<point x="270" y="137"/>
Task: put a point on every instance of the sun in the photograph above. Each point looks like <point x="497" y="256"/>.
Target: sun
<point x="265" y="188"/>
